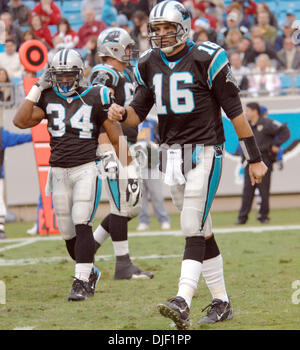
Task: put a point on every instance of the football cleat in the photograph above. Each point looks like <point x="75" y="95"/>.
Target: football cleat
<point x="178" y="311"/>
<point x="80" y="290"/>
<point x="218" y="311"/>
<point x="93" y="281"/>
<point x="131" y="272"/>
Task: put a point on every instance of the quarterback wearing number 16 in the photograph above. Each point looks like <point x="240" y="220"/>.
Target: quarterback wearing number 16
<point x="189" y="84"/>
<point x="75" y="115"/>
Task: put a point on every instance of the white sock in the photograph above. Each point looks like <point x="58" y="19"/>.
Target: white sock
<point x="189" y="278"/>
<point x="100" y="235"/>
<point x="83" y="271"/>
<point x="213" y="274"/>
<point x="121" y="247"/>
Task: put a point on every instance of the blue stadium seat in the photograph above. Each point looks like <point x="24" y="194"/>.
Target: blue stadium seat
<point x="74" y="18"/>
<point x="286" y="81"/>
<point x="15" y="81"/>
<point x="53" y="29"/>
<point x="272" y="6"/>
<point x="29" y="3"/>
<point x="76" y="26"/>
<point x="71" y="6"/>
<point x="297" y="82"/>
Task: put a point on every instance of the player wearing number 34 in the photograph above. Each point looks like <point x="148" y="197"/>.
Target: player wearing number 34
<point x="75" y="115"/>
<point x="189" y="84"/>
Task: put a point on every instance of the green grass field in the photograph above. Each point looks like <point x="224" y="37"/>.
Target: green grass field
<point x="259" y="269"/>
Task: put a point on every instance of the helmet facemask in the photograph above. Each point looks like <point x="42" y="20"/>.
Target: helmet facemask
<point x="163" y="41"/>
<point x="66" y="81"/>
<point x="131" y="56"/>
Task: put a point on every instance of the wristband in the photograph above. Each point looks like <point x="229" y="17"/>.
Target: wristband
<point x="250" y="149"/>
<point x="34" y="94"/>
<point x="125" y="115"/>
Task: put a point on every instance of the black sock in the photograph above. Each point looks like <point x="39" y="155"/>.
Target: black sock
<point x="211" y="248"/>
<point x="85" y="244"/>
<point x="70" y="244"/>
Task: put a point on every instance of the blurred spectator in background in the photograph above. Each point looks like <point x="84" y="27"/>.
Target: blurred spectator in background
<point x="20" y="13"/>
<point x="90" y="28"/>
<point x="4" y="6"/>
<point x="5" y="91"/>
<point x="10" y="60"/>
<point x="92" y="58"/>
<point x="263" y="7"/>
<point x="269" y="32"/>
<point x="287" y="30"/>
<point x="140" y="31"/>
<point x="264" y="78"/>
<point x="233" y="38"/>
<point x="96" y="5"/>
<point x="239" y="71"/>
<point x="199" y="12"/>
<point x="215" y="8"/>
<point x="259" y="46"/>
<point x="109" y="13"/>
<point x="50" y="13"/>
<point x="28" y="35"/>
<point x="233" y="22"/>
<point x="289" y="56"/>
<point x="126" y="7"/>
<point x="7" y="139"/>
<point x="201" y="24"/>
<point x="123" y="22"/>
<point x="239" y="9"/>
<point x="244" y="47"/>
<point x="12" y="30"/>
<point x="42" y="32"/>
<point x="201" y="36"/>
<point x="68" y="35"/>
<point x="146" y="5"/>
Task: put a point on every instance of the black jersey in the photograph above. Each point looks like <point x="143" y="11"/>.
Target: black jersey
<point x="74" y="123"/>
<point x="123" y="84"/>
<point x="188" y="93"/>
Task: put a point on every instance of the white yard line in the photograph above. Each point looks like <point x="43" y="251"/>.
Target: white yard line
<point x="253" y="229"/>
<point x="20" y="242"/>
<point x="34" y="261"/>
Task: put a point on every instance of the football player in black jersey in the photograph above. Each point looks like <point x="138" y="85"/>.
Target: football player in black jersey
<point x="114" y="46"/>
<point x="189" y="84"/>
<point x="75" y="115"/>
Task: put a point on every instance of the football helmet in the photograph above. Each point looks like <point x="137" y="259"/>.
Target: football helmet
<point x="117" y="43"/>
<point x="172" y="12"/>
<point x="66" y="70"/>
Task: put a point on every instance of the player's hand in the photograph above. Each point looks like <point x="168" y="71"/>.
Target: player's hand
<point x="115" y="112"/>
<point x="44" y="81"/>
<point x="256" y="172"/>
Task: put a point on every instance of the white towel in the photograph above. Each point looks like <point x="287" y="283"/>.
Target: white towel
<point x="173" y="175"/>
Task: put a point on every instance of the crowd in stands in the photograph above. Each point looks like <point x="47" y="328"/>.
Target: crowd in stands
<point x="261" y="44"/>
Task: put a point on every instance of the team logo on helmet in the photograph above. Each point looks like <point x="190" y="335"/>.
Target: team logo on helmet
<point x="184" y="12"/>
<point x="112" y="37"/>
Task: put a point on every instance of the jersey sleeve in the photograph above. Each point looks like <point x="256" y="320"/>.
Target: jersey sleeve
<point x="142" y="102"/>
<point x="106" y="99"/>
<point x="140" y="70"/>
<point x="220" y="80"/>
<point x="226" y="91"/>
